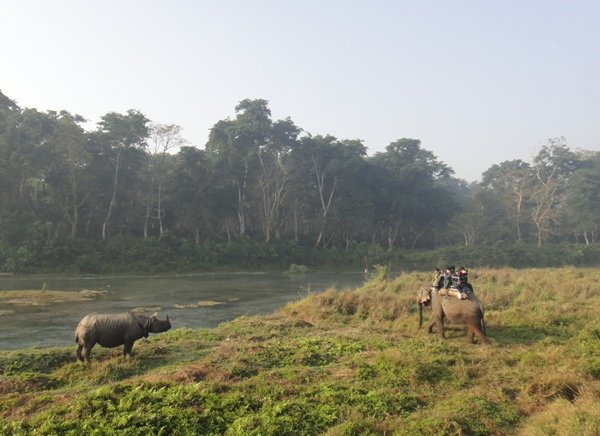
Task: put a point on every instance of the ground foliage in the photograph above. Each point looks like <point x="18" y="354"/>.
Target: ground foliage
<point x="337" y="362"/>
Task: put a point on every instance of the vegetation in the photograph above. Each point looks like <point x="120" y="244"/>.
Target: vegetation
<point x="133" y="194"/>
<point x="45" y="297"/>
<point x="172" y="255"/>
<point x="337" y="362"/>
<point x="294" y="268"/>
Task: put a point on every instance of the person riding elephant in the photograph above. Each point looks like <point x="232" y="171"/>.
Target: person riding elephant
<point x="437" y="278"/>
<point x="463" y="280"/>
<point x="441" y="280"/>
<point x="448" y="277"/>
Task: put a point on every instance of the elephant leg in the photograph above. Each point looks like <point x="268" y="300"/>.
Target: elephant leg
<point x="439" y="321"/>
<point x="471" y="336"/>
<point x="431" y="324"/>
<point x="78" y="353"/>
<point x="479" y="332"/>
<point x="483" y="338"/>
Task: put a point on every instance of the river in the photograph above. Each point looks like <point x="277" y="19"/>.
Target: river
<point x="193" y="300"/>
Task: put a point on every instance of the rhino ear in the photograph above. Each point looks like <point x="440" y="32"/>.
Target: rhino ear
<point x="155" y="314"/>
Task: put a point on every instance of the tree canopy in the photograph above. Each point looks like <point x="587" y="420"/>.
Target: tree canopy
<point x="265" y="180"/>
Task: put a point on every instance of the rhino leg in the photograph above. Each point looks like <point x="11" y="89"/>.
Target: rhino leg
<point x="127" y="346"/>
<point x="86" y="353"/>
<point x="78" y="353"/>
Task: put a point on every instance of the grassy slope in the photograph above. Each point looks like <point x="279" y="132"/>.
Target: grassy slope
<point x="337" y="363"/>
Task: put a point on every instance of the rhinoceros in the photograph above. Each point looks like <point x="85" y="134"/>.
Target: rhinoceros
<point x="114" y="329"/>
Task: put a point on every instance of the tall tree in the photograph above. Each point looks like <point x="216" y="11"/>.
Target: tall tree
<point x="322" y="168"/>
<point x="28" y="155"/>
<point x="120" y="133"/>
<point x="582" y="200"/>
<point x="162" y="138"/>
<point x="7" y="108"/>
<point x="315" y="162"/>
<point x="235" y="145"/>
<point x="481" y="218"/>
<point x="194" y="180"/>
<point x="9" y="115"/>
<point x="511" y="182"/>
<point x="69" y="176"/>
<point x="353" y="215"/>
<point x="273" y="175"/>
<point x="410" y="202"/>
<point x="552" y="166"/>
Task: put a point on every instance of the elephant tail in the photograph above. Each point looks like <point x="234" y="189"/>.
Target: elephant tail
<point x="482" y="311"/>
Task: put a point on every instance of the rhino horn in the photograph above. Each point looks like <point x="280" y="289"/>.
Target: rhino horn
<point x="167" y="317"/>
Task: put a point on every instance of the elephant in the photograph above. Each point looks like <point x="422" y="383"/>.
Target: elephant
<point x="114" y="329"/>
<point x="468" y="311"/>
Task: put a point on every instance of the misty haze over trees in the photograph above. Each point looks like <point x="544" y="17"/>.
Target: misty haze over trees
<point x="77" y="199"/>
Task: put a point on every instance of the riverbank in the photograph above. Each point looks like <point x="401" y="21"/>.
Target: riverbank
<point x="338" y="362"/>
<point x="127" y="254"/>
<point x="192" y="300"/>
<point x="46" y="297"/>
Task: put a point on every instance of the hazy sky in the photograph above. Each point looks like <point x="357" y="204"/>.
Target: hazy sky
<point x="478" y="82"/>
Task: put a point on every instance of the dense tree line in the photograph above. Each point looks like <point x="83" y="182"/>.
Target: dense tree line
<point x="269" y="181"/>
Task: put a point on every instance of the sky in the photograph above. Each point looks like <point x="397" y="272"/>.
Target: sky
<point x="478" y="82"/>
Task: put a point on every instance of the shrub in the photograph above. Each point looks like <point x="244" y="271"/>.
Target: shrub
<point x="295" y="268"/>
<point x="39" y="361"/>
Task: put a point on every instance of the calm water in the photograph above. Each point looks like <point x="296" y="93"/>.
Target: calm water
<point x="241" y="294"/>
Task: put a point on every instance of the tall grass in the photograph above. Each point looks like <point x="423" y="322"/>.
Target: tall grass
<point x="337" y="362"/>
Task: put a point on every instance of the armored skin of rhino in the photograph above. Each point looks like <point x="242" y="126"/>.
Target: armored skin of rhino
<point x="114" y="329"/>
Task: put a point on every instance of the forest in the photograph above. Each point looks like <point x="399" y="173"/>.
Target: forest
<point x="133" y="193"/>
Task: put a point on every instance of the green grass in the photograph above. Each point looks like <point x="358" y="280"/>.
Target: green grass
<point x="338" y="362"/>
